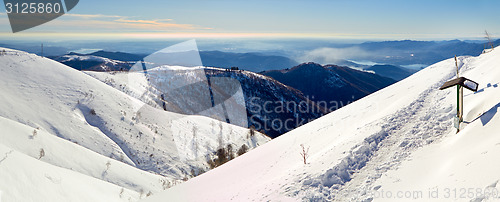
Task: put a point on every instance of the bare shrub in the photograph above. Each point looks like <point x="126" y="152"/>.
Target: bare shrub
<point x="41" y="154"/>
<point x="108" y="164"/>
<point x="304" y="153"/>
<point x="121" y="192"/>
<point x="221" y="156"/>
<point x="243" y="149"/>
<point x="33" y="134"/>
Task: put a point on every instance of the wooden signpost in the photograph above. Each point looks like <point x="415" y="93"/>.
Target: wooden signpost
<point x="461" y="83"/>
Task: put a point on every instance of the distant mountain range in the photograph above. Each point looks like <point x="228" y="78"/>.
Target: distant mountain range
<point x="407" y="52"/>
<point x="335" y="85"/>
<point x="254" y="62"/>
<point x="36" y="48"/>
<point x="129" y="57"/>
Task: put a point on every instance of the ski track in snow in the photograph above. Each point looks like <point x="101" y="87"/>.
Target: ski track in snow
<point x="6" y="156"/>
<point x="396" y="148"/>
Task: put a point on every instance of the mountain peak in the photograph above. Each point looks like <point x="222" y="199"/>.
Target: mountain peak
<point x="330" y="83"/>
<point x="309" y="64"/>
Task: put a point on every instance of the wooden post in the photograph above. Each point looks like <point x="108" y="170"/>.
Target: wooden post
<point x="459" y="98"/>
<point x="461" y="83"/>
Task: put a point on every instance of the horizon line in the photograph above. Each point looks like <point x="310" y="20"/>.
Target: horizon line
<point x="234" y="35"/>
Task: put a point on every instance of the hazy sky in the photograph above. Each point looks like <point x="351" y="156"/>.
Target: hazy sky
<point x="358" y="19"/>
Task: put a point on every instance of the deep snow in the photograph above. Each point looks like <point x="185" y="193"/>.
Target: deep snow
<point x="401" y="137"/>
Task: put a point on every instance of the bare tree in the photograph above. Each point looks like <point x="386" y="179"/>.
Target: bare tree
<point x="252" y="131"/>
<point x="230" y="154"/>
<point x="304" y="153"/>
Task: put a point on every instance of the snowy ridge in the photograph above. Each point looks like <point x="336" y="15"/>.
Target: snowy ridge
<point x="370" y="144"/>
<point x="254" y="91"/>
<point x="335" y="81"/>
<point x="92" y="63"/>
<point x="66" y="58"/>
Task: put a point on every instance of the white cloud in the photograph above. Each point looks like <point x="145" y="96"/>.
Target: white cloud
<point x="121" y="23"/>
<point x="88" y="16"/>
<point x="333" y="55"/>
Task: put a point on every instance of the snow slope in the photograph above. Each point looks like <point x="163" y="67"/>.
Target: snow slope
<point x="96" y="134"/>
<point x="26" y="178"/>
<point x="369" y="145"/>
<point x="461" y="166"/>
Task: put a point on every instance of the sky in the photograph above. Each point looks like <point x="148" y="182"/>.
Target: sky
<point x="340" y="19"/>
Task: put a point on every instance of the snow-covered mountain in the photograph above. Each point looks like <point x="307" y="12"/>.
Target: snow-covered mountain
<point x="334" y="85"/>
<point x="92" y="63"/>
<point x="400" y="138"/>
<point x="65" y="136"/>
<point x="258" y="92"/>
<point x="254" y="62"/>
